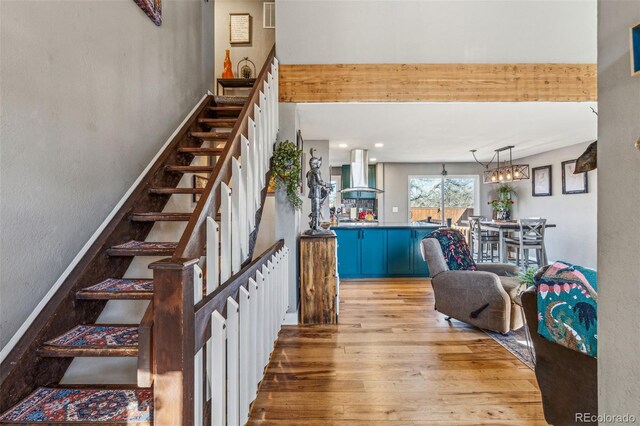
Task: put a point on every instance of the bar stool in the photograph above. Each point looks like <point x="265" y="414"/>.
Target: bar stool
<point x="531" y="238"/>
<point x="482" y="242"/>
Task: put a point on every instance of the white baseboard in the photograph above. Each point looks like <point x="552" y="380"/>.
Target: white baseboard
<point x="27" y="323"/>
<point x="291" y="318"/>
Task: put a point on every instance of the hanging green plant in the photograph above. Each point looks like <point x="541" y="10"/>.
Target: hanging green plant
<point x="286" y="168"/>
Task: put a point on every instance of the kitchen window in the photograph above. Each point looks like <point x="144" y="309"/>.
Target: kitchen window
<point x="438" y="198"/>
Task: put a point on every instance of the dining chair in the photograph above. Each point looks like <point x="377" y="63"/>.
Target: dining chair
<point x="531" y="237"/>
<point x="483" y="242"/>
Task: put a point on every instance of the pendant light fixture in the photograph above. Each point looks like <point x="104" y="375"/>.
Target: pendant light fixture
<point x="503" y="172"/>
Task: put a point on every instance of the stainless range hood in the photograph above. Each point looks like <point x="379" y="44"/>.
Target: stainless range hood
<point x="360" y="172"/>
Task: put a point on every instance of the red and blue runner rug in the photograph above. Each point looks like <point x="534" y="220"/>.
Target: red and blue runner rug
<point x="83" y="405"/>
<point x="113" y="285"/>
<point x="97" y="335"/>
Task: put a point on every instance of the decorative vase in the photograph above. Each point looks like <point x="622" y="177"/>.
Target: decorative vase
<point x="503" y="215"/>
<point x="227" y="72"/>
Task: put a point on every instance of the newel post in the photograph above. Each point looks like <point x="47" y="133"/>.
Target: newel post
<point x="173" y="342"/>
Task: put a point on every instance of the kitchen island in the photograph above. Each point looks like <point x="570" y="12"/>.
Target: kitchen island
<point x="381" y="250"/>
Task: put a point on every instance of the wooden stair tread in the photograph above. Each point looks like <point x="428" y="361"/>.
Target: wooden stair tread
<point x="93" y="340"/>
<point x="160" y="217"/>
<point x="176" y="190"/>
<point x="211" y="135"/>
<point x="201" y="151"/>
<point x="118" y="289"/>
<point x="218" y="122"/>
<point x="143" y="248"/>
<point x="69" y="404"/>
<point x="226" y="108"/>
<point x="189" y="169"/>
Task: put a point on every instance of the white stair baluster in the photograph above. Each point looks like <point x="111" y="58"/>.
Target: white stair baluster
<point x="266" y="273"/>
<point x="247" y="171"/>
<point x="262" y="329"/>
<point x="236" y="229"/>
<point x="233" y="374"/>
<point x="259" y="356"/>
<point x="218" y="370"/>
<point x="213" y="255"/>
<point x="253" y="308"/>
<point x="198" y="368"/>
<point x="225" y="233"/>
<point x="245" y="353"/>
<point x="257" y="164"/>
<point x="262" y="127"/>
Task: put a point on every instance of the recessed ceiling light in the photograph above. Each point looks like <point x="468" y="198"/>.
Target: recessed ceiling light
<point x="373" y="160"/>
<point x="379" y="145"/>
<point x="343" y="145"/>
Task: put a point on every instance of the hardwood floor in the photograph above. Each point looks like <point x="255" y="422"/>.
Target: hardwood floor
<point x="394" y="360"/>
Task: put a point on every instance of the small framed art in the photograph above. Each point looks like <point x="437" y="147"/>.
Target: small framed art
<point x="572" y="183"/>
<point x="541" y="182"/>
<point x="239" y="28"/>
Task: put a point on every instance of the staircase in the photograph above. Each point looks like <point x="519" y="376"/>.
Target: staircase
<point x="211" y="144"/>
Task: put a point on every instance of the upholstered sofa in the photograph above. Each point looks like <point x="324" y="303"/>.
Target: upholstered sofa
<point x="484" y="298"/>
<point x="568" y="379"/>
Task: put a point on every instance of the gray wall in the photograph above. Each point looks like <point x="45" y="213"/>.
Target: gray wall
<point x="396" y="186"/>
<point x="575" y="238"/>
<point x="262" y="39"/>
<point x="422" y="31"/>
<point x="90" y="91"/>
<point x="618" y="218"/>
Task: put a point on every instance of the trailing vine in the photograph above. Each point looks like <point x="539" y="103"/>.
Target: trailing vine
<point x="286" y="168"/>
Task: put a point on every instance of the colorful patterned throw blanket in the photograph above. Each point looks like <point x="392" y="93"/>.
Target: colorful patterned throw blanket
<point x="568" y="307"/>
<point x="455" y="249"/>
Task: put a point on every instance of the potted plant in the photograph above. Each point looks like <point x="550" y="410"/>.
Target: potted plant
<point x="286" y="167"/>
<point x="503" y="204"/>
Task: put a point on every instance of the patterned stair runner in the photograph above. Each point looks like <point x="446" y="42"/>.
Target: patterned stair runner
<point x="97" y="336"/>
<point x="113" y="288"/>
<point x="64" y="405"/>
<point x="133" y="248"/>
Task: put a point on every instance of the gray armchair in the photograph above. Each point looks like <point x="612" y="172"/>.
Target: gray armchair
<point x="484" y="298"/>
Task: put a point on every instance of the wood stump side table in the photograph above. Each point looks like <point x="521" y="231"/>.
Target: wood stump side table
<point x="318" y="279"/>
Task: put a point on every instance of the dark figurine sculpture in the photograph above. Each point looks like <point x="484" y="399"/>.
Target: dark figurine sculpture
<point x="318" y="193"/>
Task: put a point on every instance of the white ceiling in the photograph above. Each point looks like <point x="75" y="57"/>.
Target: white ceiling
<point x="446" y="131"/>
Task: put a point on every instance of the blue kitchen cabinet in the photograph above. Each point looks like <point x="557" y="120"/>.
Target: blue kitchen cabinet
<point x="399" y="251"/>
<point x="378" y="252"/>
<point x="349" y="254"/>
<point x="373" y="248"/>
<point x="419" y="265"/>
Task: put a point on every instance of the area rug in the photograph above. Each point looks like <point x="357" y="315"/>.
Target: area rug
<point x="100" y="336"/>
<point x="113" y="285"/>
<point x="516" y="343"/>
<point x="83" y="405"/>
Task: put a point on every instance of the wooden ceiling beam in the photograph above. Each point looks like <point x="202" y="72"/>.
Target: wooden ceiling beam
<point x="438" y="83"/>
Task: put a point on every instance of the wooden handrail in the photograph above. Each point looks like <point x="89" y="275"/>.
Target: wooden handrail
<point x="217" y="300"/>
<point x="192" y="242"/>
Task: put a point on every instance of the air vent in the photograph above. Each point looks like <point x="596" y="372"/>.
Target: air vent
<point x="269" y="14"/>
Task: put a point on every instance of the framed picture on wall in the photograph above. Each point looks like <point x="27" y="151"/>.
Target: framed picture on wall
<point x="571" y="183"/>
<point x="239" y="28"/>
<point x="541" y="182"/>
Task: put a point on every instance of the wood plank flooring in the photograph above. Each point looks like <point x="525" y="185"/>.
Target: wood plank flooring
<point x="394" y="360"/>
